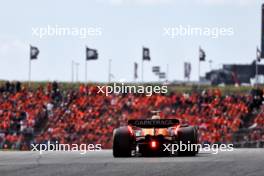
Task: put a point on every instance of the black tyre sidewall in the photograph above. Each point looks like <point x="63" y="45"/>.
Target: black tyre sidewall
<point x="122" y="142"/>
<point x="186" y="134"/>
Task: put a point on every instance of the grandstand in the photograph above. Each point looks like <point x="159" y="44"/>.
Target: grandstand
<point x="51" y="112"/>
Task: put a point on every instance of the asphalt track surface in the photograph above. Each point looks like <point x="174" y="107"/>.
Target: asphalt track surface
<point x="241" y="162"/>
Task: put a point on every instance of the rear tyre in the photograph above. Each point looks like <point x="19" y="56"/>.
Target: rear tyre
<point x="188" y="135"/>
<point x="122" y="142"/>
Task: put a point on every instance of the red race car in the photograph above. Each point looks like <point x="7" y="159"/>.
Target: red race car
<point x="155" y="137"/>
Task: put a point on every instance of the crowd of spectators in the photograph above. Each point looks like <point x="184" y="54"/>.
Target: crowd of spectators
<point x="53" y="113"/>
<point x="259" y="120"/>
<point x="21" y="110"/>
<point x="256" y="130"/>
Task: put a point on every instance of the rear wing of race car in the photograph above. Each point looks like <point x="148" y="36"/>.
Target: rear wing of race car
<point x="154" y="123"/>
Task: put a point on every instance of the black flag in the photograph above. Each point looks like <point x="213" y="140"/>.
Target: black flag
<point x="146" y="54"/>
<point x="34" y="51"/>
<point x="258" y="54"/>
<point x="187" y="70"/>
<point x="162" y="75"/>
<point x="91" y="54"/>
<point x="135" y="70"/>
<point x="202" y="54"/>
<point x="156" y="69"/>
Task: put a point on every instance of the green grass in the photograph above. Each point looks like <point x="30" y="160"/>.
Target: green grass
<point x="172" y="88"/>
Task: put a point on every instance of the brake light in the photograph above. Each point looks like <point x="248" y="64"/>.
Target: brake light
<point x="153" y="144"/>
<point x="176" y="130"/>
<point x="130" y="129"/>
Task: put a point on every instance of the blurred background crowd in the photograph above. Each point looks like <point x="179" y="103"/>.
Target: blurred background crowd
<point x="51" y="112"/>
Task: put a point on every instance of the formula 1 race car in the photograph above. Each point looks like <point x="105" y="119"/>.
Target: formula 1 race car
<point x="154" y="137"/>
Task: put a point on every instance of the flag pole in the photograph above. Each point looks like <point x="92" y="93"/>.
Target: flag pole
<point x="199" y="73"/>
<point x="29" y="67"/>
<point x="199" y="69"/>
<point x="77" y="70"/>
<point x="256" y="72"/>
<point x="85" y="71"/>
<point x="85" y="65"/>
<point x="257" y="67"/>
<point x="135" y="79"/>
<point x="210" y="64"/>
<point x="142" y="70"/>
<point x="167" y="74"/>
<point x="109" y="70"/>
<point x="33" y="54"/>
<point x="29" y="72"/>
<point x="72" y="71"/>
